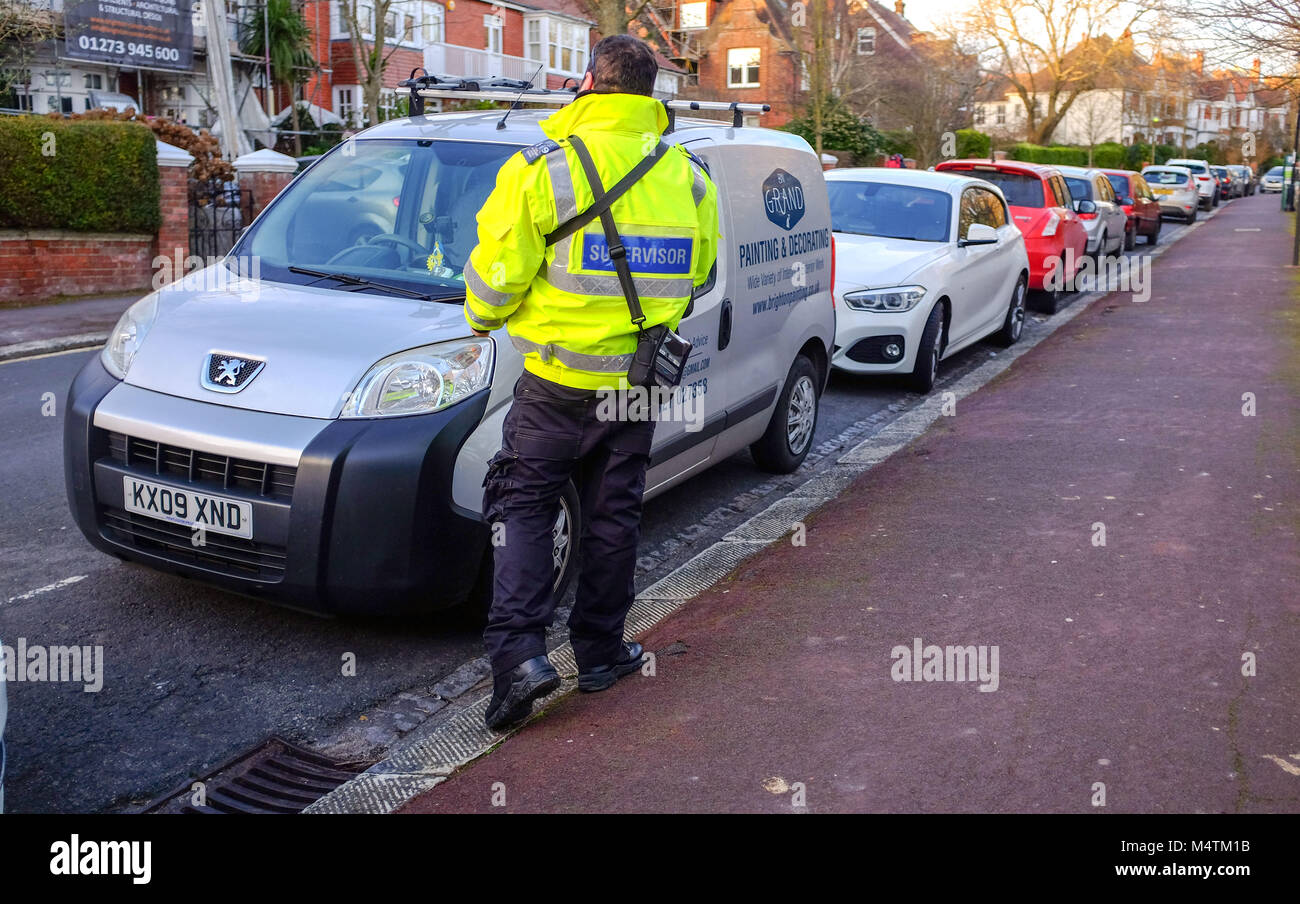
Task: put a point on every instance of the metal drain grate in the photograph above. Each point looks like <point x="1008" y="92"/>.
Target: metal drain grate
<point x="275" y="777"/>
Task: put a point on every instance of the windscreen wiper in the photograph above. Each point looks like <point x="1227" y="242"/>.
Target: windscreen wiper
<point x="351" y="280"/>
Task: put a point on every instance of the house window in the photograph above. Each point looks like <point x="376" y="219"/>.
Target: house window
<point x="979" y="115"/>
<point x="866" y="41"/>
<point x="693" y="15"/>
<point x="1002" y="114"/>
<point x="561" y="45"/>
<point x="742" y="67"/>
<point x="493" y="26"/>
<point x="387" y="105"/>
<point x="433" y="23"/>
<point x="345" y="104"/>
<point x="94" y="82"/>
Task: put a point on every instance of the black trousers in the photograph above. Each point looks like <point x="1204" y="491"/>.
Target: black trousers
<point x="553" y="433"/>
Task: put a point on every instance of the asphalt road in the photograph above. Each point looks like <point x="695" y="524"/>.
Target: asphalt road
<point x="193" y="675"/>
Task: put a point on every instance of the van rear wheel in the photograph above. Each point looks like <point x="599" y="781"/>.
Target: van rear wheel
<point x="789" y="435"/>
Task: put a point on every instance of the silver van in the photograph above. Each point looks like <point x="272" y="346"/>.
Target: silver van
<point x="309" y="420"/>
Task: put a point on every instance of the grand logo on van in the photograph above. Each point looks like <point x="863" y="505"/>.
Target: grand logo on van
<point x="783" y="199"/>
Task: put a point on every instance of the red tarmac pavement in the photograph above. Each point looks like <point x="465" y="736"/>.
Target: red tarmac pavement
<point x="1119" y="664"/>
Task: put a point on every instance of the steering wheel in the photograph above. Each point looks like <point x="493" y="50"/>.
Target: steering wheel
<point x="392" y="238"/>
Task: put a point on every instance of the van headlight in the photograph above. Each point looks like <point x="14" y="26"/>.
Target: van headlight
<point x="422" y="380"/>
<point x="128" y="335"/>
<point x="899" y="298"/>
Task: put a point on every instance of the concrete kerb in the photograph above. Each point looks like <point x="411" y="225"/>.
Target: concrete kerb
<point x="38" y="347"/>
<point x="430" y="754"/>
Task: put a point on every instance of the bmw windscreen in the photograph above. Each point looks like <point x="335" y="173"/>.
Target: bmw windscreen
<point x="890" y="211"/>
<point x="379" y="215"/>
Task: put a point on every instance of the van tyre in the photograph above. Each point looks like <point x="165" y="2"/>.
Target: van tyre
<point x="926" y="368"/>
<point x="789" y="435"/>
<point x="565" y="532"/>
<point x="1014" y="325"/>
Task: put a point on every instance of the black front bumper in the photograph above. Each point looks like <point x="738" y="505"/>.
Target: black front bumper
<point x="366" y="525"/>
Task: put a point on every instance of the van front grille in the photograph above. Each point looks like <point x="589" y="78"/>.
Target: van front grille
<point x="220" y="472"/>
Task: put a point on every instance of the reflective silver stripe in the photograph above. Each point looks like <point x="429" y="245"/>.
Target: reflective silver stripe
<point x="480" y="322"/>
<point x="698" y="188"/>
<point x="609" y="286"/>
<point x="615" y="364"/>
<point x="482" y="290"/>
<point x="566" y="205"/>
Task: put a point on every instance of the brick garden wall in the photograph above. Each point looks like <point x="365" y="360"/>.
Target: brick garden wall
<point x="41" y="264"/>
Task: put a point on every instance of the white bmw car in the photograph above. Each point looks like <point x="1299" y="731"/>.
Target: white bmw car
<point x="925" y="265"/>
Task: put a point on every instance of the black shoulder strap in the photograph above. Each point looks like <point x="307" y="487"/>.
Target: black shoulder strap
<point x="617" y="253"/>
<point x="564" y="230"/>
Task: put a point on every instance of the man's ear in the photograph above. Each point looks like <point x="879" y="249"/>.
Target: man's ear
<point x="588" y="80"/>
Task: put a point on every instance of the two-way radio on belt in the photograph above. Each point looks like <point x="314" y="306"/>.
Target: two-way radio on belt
<point x="451" y="87"/>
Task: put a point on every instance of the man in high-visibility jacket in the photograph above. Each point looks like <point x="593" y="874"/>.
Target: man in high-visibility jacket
<point x="565" y="312"/>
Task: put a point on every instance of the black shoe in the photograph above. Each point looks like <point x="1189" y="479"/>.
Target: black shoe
<point x="514" y="692"/>
<point x="603" y="677"/>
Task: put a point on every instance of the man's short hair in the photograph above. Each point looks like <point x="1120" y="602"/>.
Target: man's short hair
<point x="622" y="64"/>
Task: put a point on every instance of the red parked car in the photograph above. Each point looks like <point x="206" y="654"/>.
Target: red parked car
<point x="1041" y="207"/>
<point x="1139" y="202"/>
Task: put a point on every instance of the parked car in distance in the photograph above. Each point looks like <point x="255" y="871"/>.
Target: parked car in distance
<point x="1140" y="206"/>
<point x="1107" y="222"/>
<point x="1207" y="186"/>
<point x="1247" y="176"/>
<point x="1175" y="189"/>
<point x="1229" y="184"/>
<point x="1042" y="209"/>
<point x="926" y="264"/>
<point x="1272" y="180"/>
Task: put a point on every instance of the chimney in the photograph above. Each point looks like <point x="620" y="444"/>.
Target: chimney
<point x="1254" y="71"/>
<point x="1200" y="61"/>
<point x="898" y="6"/>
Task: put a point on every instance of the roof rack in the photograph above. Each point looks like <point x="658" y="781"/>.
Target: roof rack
<point x="453" y="87"/>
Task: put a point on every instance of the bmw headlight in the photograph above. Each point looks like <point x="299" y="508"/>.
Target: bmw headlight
<point x="422" y="380"/>
<point x="899" y="298"/>
<point x="127" y="336"/>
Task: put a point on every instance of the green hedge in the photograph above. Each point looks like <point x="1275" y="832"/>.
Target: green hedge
<point x="83" y="176"/>
<point x="1057" y="155"/>
<point x="973" y="143"/>
<point x="841" y="131"/>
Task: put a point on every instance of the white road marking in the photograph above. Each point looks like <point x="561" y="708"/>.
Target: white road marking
<point x="1247" y="229"/>
<point x="57" y="585"/>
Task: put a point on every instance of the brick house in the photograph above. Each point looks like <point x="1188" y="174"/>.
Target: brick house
<point x="456" y="37"/>
<point x="756" y="50"/>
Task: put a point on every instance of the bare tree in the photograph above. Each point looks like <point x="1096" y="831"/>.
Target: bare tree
<point x="936" y="96"/>
<point x="372" y="62"/>
<point x="25" y="27"/>
<point x="1055" y="49"/>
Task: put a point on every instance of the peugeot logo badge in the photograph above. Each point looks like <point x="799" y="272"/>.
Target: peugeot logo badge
<point x="230" y="373"/>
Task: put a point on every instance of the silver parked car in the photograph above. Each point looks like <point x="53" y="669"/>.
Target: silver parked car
<point x="1272" y="180"/>
<point x="1102" y="215"/>
<point x="1175" y="190"/>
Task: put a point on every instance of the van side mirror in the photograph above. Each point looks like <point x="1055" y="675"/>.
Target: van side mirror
<point x="1083" y="205"/>
<point x="979" y="234"/>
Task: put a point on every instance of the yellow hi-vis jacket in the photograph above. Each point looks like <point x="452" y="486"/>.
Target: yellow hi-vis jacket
<point x="563" y="303"/>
